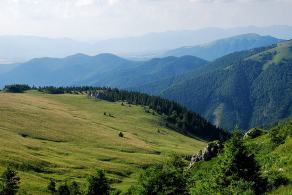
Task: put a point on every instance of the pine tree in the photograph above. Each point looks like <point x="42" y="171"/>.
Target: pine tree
<point x="237" y="165"/>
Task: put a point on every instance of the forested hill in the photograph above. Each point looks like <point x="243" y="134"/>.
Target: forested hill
<point x="250" y="88"/>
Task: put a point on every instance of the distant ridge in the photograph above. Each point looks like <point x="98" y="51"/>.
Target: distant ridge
<point x="219" y="48"/>
<point x="16" y="49"/>
<point x="100" y="70"/>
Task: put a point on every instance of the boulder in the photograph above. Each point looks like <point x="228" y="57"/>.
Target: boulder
<point x="211" y="150"/>
<point x="253" y="133"/>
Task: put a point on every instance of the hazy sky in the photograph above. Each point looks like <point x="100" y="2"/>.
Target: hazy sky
<point x="101" y="19"/>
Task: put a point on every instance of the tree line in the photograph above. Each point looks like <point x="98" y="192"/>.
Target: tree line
<point x="177" y="117"/>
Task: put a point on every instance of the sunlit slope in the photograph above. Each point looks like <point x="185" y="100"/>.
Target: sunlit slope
<point x="282" y="52"/>
<point x="275" y="158"/>
<point x="68" y="137"/>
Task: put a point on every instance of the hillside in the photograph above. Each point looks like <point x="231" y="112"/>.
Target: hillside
<point x="67" y="137"/>
<point x="242" y="88"/>
<point x="275" y="157"/>
<point x="219" y="48"/>
<point x="271" y="150"/>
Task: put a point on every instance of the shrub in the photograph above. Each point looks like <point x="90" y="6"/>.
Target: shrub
<point x="165" y="179"/>
<point x="74" y="188"/>
<point x="16" y="88"/>
<point x="275" y="179"/>
<point x="10" y="182"/>
<point x="98" y="184"/>
<point x="278" y="135"/>
<point x="235" y="171"/>
<point x="52" y="186"/>
<point x="63" y="190"/>
<point x="121" y="134"/>
<point x="237" y="164"/>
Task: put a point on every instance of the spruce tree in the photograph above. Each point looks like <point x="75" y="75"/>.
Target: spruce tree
<point x="238" y="167"/>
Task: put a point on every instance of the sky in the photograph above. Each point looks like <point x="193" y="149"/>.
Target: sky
<point x="105" y="19"/>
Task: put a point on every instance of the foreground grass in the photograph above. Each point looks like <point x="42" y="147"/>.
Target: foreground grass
<point x="274" y="159"/>
<point x="66" y="137"/>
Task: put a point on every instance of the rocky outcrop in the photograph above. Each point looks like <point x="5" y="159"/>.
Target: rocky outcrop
<point x="211" y="150"/>
<point x="253" y="133"/>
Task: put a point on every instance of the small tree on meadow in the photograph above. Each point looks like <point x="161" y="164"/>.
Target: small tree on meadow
<point x="10" y="182"/>
<point x="74" y="189"/>
<point x="98" y="184"/>
<point x="52" y="186"/>
<point x="63" y="190"/>
<point x="163" y="179"/>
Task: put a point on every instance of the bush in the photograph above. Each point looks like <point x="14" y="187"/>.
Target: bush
<point x="165" y="179"/>
<point x="10" y="182"/>
<point x="74" y="189"/>
<point x="63" y="190"/>
<point x="235" y="171"/>
<point x="275" y="179"/>
<point x="279" y="134"/>
<point x="16" y="88"/>
<point x="237" y="164"/>
<point x="54" y="90"/>
<point x="98" y="184"/>
<point x="121" y="134"/>
<point x="52" y="186"/>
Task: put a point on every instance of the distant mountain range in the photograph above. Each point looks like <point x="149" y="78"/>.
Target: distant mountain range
<point x="219" y="48"/>
<point x="23" y="48"/>
<point x="99" y="70"/>
<point x="111" y="70"/>
<point x="239" y="88"/>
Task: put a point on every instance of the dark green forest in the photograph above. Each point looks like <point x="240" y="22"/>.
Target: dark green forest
<point x="242" y="88"/>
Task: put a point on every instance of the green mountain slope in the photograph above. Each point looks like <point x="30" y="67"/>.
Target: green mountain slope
<point x="274" y="158"/>
<point x="67" y="137"/>
<point x="226" y="46"/>
<point x="250" y="88"/>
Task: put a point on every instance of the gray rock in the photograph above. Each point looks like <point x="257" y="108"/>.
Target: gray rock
<point x="211" y="150"/>
<point x="253" y="133"/>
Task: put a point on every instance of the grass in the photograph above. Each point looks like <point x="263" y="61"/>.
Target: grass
<point x="278" y="54"/>
<point x="271" y="158"/>
<point x="66" y="137"/>
<point x="275" y="158"/>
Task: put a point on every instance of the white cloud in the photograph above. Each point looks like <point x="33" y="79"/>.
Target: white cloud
<point x="115" y="18"/>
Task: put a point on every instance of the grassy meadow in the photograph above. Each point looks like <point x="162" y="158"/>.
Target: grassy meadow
<point x="66" y="137"/>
